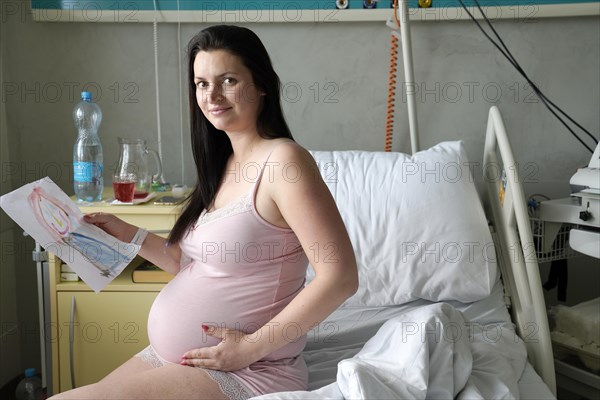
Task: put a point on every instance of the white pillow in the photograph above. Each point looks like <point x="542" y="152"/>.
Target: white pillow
<point x="416" y="224"/>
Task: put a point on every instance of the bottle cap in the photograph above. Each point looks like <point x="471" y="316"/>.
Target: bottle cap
<point x="29" y="372"/>
<point x="86" y="96"/>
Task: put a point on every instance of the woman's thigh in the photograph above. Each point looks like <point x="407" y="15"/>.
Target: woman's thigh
<point x="171" y="381"/>
<point x="134" y="365"/>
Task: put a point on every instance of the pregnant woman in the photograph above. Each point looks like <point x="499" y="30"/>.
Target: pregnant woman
<point x="233" y="321"/>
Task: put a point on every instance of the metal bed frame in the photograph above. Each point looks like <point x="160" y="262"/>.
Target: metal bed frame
<point x="515" y="248"/>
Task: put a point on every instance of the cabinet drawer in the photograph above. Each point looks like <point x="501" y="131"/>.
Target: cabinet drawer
<point x="108" y="328"/>
<point x="155" y="218"/>
<point x="153" y="223"/>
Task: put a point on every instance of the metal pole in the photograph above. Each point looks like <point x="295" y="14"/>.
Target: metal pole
<point x="409" y="76"/>
<point x="38" y="258"/>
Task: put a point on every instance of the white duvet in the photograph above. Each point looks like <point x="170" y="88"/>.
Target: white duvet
<point x="429" y="352"/>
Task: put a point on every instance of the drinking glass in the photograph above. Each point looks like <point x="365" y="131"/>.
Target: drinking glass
<point x="124" y="186"/>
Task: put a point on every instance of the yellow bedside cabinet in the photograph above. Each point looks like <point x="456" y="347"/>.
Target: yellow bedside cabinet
<point x="93" y="333"/>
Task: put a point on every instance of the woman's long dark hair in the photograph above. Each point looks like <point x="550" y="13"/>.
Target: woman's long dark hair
<point x="211" y="147"/>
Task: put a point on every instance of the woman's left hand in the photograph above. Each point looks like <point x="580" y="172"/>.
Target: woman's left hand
<point x="235" y="351"/>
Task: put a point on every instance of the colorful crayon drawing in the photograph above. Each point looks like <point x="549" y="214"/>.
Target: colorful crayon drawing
<point x="58" y="219"/>
<point x="44" y="211"/>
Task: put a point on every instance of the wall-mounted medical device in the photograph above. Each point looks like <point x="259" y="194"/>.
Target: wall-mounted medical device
<point x="581" y="208"/>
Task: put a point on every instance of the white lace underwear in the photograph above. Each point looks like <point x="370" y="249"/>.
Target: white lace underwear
<point x="230" y="386"/>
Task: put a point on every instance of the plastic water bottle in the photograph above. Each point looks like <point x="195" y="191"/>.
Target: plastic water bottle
<point x="30" y="387"/>
<point x="87" y="152"/>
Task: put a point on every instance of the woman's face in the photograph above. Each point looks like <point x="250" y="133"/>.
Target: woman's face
<point x="225" y="91"/>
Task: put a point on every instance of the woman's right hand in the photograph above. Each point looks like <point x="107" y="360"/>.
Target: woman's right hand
<point x="112" y="225"/>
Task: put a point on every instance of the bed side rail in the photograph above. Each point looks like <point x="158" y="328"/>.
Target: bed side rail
<point x="506" y="207"/>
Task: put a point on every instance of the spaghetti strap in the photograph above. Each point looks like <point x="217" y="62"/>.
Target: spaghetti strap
<point x="262" y="170"/>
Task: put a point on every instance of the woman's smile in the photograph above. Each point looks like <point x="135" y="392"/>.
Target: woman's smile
<point x="218" y="110"/>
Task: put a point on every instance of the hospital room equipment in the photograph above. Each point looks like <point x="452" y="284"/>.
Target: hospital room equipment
<point x="572" y="223"/>
<point x="584" y="240"/>
<point x="400" y="31"/>
<point x="582" y="209"/>
<point x="561" y="229"/>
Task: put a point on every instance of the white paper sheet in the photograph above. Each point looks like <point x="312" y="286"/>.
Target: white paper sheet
<point x="46" y="213"/>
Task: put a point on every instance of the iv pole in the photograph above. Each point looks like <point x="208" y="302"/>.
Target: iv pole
<point x="409" y="81"/>
<point x="409" y="75"/>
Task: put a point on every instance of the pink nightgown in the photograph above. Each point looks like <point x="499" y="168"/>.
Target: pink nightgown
<point x="243" y="272"/>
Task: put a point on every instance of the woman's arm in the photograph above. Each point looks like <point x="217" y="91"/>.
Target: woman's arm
<point x="309" y="209"/>
<point x="153" y="248"/>
<point x="167" y="258"/>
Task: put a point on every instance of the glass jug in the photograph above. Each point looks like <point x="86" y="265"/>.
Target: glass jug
<point x="133" y="166"/>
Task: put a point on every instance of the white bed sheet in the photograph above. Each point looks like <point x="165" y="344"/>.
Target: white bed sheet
<point x="532" y="387"/>
<point x="500" y="369"/>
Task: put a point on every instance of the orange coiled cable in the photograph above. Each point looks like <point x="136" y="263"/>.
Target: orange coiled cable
<point x="389" y="126"/>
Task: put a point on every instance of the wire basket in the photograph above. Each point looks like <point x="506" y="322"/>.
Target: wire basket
<point x="551" y="240"/>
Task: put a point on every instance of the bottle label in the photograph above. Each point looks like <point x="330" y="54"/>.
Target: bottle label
<point x="87" y="171"/>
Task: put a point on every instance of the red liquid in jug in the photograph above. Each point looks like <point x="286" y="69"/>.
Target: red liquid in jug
<point x="139" y="195"/>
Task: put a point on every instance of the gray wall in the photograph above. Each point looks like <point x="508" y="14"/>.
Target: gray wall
<point x="10" y="354"/>
<point x="341" y="70"/>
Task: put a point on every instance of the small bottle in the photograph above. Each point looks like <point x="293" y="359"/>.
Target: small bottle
<point x="30" y="387"/>
<point x="87" y="152"/>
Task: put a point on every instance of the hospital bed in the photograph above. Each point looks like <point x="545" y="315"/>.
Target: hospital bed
<point x="450" y="302"/>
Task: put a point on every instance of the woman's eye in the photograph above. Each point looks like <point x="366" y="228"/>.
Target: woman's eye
<point x="229" y="81"/>
<point x="201" y="85"/>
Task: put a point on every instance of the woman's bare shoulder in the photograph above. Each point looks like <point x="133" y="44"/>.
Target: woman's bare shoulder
<point x="290" y="151"/>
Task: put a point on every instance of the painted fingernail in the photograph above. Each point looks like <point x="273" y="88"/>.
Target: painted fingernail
<point x="183" y="357"/>
<point x="204" y="328"/>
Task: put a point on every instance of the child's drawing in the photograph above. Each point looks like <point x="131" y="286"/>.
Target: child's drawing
<point x="53" y="220"/>
<point x="58" y="218"/>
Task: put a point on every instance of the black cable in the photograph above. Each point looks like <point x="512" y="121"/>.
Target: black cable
<point x="515" y="64"/>
<point x="558" y="276"/>
<point x="538" y="92"/>
<point x="508" y="55"/>
<point x="536" y="89"/>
